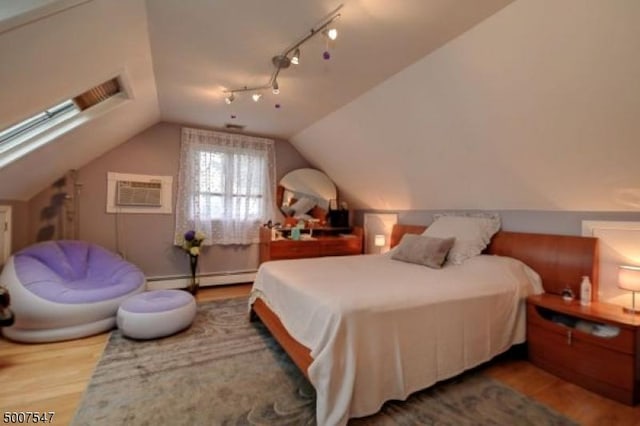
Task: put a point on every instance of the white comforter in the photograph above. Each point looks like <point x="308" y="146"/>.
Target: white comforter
<point x="380" y="329"/>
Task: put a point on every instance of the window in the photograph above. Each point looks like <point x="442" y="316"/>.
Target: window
<point x="39" y="121"/>
<point x="28" y="130"/>
<point x="221" y="196"/>
<point x="225" y="187"/>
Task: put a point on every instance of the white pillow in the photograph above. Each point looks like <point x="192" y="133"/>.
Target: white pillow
<point x="472" y="234"/>
<point x="494" y="217"/>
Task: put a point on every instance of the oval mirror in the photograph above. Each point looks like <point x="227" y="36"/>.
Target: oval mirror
<point x="306" y="193"/>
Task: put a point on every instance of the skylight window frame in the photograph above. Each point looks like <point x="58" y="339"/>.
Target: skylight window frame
<point x="65" y="119"/>
<point x="36" y="124"/>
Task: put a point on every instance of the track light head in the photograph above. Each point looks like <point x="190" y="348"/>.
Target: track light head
<point x="275" y="88"/>
<point x="281" y="62"/>
<point x="295" y="59"/>
<point x="256" y="97"/>
<point x="230" y="99"/>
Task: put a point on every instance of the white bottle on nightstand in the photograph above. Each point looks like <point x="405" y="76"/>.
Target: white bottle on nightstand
<point x="585" y="291"/>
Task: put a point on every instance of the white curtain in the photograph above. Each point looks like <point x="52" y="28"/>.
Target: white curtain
<point x="226" y="186"/>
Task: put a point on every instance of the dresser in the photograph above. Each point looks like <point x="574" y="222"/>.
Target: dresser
<point x="595" y="346"/>
<point x="325" y="242"/>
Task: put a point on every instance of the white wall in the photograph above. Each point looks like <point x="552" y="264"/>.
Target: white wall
<point x="537" y="107"/>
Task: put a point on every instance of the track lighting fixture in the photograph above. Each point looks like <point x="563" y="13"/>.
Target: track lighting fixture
<point x="295" y="59"/>
<point x="284" y="61"/>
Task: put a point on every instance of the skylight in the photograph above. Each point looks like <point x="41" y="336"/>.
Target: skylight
<point x="40" y="121"/>
<point x="26" y="135"/>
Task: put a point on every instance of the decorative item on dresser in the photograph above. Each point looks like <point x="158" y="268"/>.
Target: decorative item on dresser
<point x="325" y="242"/>
<point x="305" y="197"/>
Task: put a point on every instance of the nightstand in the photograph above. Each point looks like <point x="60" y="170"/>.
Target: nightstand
<point x="596" y="346"/>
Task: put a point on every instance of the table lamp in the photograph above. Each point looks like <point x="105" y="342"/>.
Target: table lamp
<point x="380" y="241"/>
<point x="629" y="279"/>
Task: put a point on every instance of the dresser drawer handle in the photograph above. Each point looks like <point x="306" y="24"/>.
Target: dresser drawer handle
<point x="569" y="337"/>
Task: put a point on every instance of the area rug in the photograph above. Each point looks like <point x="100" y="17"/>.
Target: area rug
<point x="225" y="370"/>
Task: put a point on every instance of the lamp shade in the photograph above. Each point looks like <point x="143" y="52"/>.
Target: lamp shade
<point x="629" y="278"/>
<point x="380" y="240"/>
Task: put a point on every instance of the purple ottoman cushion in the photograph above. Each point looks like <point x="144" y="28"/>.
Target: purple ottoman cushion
<point x="156" y="313"/>
<point x="75" y="272"/>
<point x="156" y="301"/>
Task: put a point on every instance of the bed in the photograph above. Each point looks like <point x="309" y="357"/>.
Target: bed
<point x="362" y="342"/>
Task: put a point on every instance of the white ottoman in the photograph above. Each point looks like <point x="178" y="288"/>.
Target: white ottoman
<point x="156" y="313"/>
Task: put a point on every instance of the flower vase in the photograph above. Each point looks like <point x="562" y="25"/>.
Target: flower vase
<point x="194" y="284"/>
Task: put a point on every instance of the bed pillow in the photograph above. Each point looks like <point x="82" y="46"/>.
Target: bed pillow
<point x="302" y="206"/>
<point x="427" y="251"/>
<point x="472" y="234"/>
<point x="494" y="218"/>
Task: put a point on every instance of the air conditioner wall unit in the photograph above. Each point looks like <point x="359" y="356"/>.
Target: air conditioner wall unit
<point x="132" y="193"/>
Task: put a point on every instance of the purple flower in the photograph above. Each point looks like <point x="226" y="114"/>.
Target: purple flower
<point x="189" y="235"/>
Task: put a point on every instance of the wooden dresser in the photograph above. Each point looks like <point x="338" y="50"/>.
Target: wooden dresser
<point x="324" y="243"/>
<point x="563" y="339"/>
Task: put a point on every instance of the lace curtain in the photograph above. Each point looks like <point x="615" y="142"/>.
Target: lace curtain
<point x="226" y="186"/>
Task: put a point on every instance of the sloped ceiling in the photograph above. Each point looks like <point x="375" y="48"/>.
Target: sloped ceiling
<point x="201" y="47"/>
<point x="56" y="50"/>
<point x="179" y="56"/>
<point x="537" y="107"/>
<point x="526" y="105"/>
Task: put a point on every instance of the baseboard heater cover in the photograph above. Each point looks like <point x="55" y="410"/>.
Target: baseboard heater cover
<point x="206" y="280"/>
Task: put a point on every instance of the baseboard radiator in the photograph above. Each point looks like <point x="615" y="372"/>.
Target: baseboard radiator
<point x="206" y="280"/>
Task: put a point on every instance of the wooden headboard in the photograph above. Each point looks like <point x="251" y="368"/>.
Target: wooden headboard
<point x="560" y="260"/>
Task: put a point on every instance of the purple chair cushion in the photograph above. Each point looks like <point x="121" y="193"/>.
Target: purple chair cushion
<point x="75" y="272"/>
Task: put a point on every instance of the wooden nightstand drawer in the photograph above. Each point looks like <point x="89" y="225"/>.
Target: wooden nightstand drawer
<point x="569" y="352"/>
<point x="595" y="346"/>
<point x="624" y="341"/>
<point x="294" y="249"/>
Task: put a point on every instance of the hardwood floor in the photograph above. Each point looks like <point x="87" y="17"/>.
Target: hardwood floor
<point x="53" y="376"/>
<point x="579" y="404"/>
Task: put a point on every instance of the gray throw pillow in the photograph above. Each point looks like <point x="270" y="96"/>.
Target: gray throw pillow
<point x="427" y="251"/>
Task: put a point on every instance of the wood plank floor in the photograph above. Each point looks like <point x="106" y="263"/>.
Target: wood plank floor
<point x="53" y="376"/>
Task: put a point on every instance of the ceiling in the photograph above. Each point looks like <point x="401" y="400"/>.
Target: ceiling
<point x="201" y="47"/>
<point x="58" y="49"/>
<point x="178" y="57"/>
<point x="530" y="110"/>
<point x="531" y="106"/>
